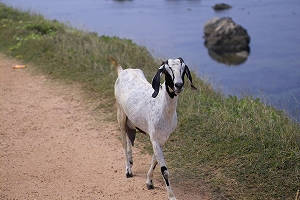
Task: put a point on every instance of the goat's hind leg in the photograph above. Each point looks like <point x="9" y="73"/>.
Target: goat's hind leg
<point x="127" y="149"/>
<point x="131" y="132"/>
<point x="130" y="137"/>
<point x="128" y="154"/>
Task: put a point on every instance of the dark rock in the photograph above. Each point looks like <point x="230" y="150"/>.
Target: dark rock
<point x="221" y="6"/>
<point x="223" y="35"/>
<point x="229" y="58"/>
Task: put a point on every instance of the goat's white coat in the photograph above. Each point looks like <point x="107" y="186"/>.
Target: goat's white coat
<point x="155" y="116"/>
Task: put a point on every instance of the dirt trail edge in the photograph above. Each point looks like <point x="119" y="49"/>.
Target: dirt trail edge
<point x="51" y="146"/>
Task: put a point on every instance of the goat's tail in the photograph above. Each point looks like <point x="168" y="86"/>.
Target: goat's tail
<point x="119" y="69"/>
<point x="115" y="64"/>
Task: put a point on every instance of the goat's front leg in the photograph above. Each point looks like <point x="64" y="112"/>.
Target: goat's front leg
<point x="164" y="170"/>
<point x="149" y="181"/>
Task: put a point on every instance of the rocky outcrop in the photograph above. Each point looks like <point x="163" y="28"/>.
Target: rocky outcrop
<point x="227" y="42"/>
<point x="230" y="59"/>
<point x="223" y="35"/>
<point x="221" y="6"/>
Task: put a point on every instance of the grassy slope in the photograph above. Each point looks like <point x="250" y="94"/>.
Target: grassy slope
<point x="240" y="147"/>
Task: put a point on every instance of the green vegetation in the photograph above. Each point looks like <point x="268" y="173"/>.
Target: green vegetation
<point x="241" y="148"/>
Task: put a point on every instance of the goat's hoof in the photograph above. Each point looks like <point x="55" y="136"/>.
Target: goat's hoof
<point x="150" y="186"/>
<point x="129" y="175"/>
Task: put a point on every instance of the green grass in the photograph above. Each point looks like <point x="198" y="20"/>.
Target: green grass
<point x="241" y="148"/>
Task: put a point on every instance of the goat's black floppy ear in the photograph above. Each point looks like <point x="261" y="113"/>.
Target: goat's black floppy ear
<point x="181" y="60"/>
<point x="188" y="74"/>
<point x="156" y="81"/>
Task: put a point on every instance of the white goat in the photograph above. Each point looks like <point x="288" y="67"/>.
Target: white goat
<point x="155" y="115"/>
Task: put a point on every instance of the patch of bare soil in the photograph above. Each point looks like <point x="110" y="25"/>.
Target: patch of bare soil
<point x="51" y="146"/>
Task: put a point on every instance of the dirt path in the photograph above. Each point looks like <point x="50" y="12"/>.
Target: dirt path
<point x="51" y="146"/>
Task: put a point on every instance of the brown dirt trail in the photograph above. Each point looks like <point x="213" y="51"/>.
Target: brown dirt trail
<point x="52" y="147"/>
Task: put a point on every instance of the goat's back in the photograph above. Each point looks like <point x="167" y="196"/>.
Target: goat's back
<point x="133" y="95"/>
<point x="131" y="81"/>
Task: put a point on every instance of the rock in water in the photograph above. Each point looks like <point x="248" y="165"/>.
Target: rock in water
<point x="221" y="6"/>
<point x="223" y="35"/>
<point x="229" y="59"/>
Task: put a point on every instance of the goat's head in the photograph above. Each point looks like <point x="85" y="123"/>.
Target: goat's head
<point x="174" y="70"/>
